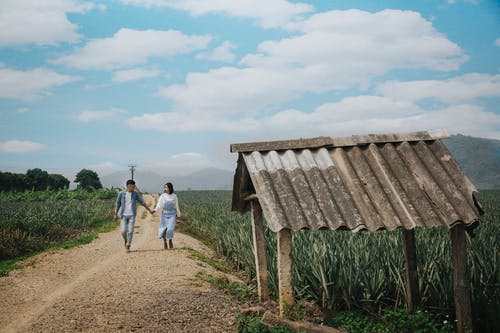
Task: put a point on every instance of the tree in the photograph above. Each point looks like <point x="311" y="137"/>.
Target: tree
<point x="58" y="182"/>
<point x="38" y="179"/>
<point x="34" y="179"/>
<point x="88" y="180"/>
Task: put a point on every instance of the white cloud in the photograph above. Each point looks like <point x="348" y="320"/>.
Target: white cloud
<point x="229" y="89"/>
<point x="220" y="53"/>
<point x="88" y="116"/>
<point x="22" y="110"/>
<point x="188" y="122"/>
<point x="374" y="114"/>
<point x="454" y="90"/>
<point x="134" y="74"/>
<point x="17" y="146"/>
<point x="497" y="42"/>
<point x="267" y="13"/>
<point x="351" y="115"/>
<point x="39" y="22"/>
<point x="131" y="47"/>
<point x="333" y="51"/>
<point x="30" y="84"/>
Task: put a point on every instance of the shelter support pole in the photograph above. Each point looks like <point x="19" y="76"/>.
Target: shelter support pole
<point x="284" y="239"/>
<point x="410" y="253"/>
<point x="461" y="287"/>
<point x="259" y="248"/>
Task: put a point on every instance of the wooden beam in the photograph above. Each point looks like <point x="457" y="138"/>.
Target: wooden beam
<point x="461" y="286"/>
<point x="410" y="253"/>
<point x="252" y="197"/>
<point x="326" y="141"/>
<point x="317" y="142"/>
<point x="357" y="140"/>
<point x="259" y="248"/>
<point x="286" y="300"/>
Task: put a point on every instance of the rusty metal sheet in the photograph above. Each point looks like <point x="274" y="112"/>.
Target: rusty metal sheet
<point x="365" y="186"/>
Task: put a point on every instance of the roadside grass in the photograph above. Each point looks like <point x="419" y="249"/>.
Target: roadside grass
<point x="84" y="238"/>
<point x="247" y="323"/>
<point x="216" y="263"/>
<point x="234" y="288"/>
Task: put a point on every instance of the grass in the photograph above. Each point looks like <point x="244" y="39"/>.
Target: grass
<point x="86" y="237"/>
<point x="234" y="288"/>
<point x="218" y="264"/>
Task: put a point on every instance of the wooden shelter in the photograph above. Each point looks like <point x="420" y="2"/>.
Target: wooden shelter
<point x="372" y="182"/>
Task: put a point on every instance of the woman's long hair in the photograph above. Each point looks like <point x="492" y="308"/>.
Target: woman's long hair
<point x="170" y="188"/>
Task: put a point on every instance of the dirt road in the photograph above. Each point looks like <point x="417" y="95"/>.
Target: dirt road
<point x="100" y="288"/>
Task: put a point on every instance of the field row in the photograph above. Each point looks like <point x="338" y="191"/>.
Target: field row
<point x="30" y="225"/>
<point x="343" y="270"/>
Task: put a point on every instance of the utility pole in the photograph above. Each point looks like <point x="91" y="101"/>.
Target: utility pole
<point x="132" y="169"/>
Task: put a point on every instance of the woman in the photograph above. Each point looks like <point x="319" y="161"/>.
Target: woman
<point x="168" y="200"/>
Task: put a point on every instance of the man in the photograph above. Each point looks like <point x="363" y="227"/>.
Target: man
<point x="126" y="209"/>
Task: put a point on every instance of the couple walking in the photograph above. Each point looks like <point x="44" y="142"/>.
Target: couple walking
<point x="126" y="210"/>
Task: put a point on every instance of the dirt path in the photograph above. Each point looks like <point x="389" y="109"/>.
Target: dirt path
<point x="99" y="288"/>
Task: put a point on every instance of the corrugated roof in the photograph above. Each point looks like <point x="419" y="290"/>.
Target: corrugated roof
<point x="369" y="182"/>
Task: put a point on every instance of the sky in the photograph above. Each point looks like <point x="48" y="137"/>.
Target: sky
<point x="168" y="85"/>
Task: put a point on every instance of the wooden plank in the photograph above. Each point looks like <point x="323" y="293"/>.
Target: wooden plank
<point x="269" y="319"/>
<point x="317" y="142"/>
<point x="357" y="140"/>
<point x="410" y="253"/>
<point x="326" y="141"/>
<point x="284" y="240"/>
<point x="461" y="286"/>
<point x="259" y="251"/>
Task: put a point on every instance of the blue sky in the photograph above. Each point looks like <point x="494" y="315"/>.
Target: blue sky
<point x="169" y="85"/>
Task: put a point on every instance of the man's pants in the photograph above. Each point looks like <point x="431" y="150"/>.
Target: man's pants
<point x="127" y="229"/>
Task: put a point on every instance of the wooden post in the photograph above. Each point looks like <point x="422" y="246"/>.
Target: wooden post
<point x="461" y="287"/>
<point x="259" y="248"/>
<point x="284" y="238"/>
<point x="410" y="253"/>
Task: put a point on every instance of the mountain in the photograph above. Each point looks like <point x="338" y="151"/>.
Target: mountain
<point x="148" y="181"/>
<point x="478" y="157"/>
<point x="206" y="179"/>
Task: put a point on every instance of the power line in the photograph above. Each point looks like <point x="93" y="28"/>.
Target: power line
<point x="132" y="169"/>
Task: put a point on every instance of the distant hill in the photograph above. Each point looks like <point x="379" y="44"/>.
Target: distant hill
<point x="148" y="181"/>
<point x="478" y="157"/>
<point x="206" y="179"/>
